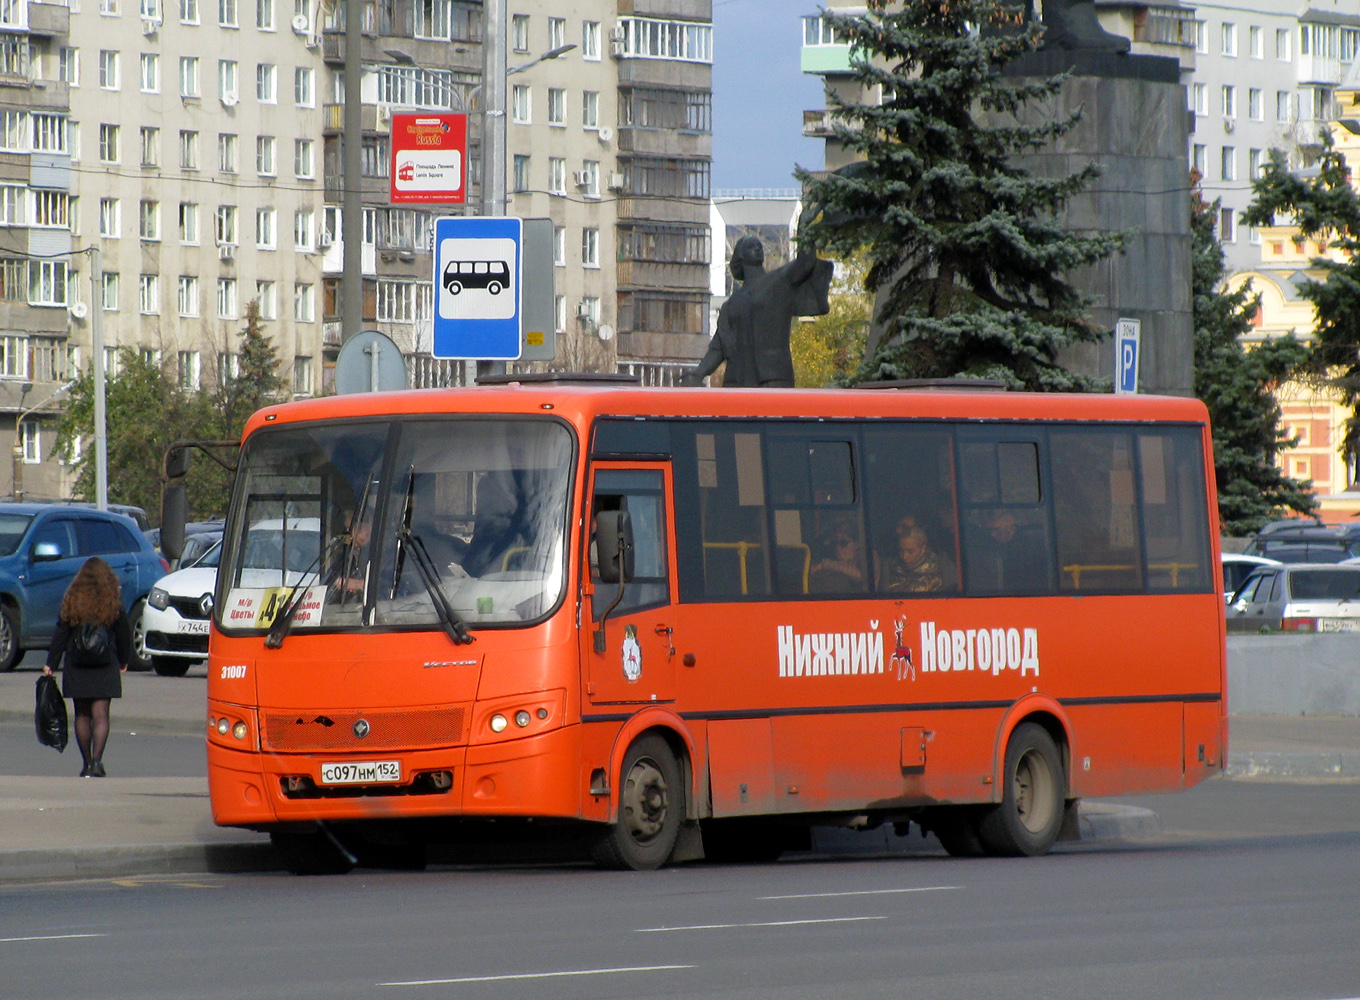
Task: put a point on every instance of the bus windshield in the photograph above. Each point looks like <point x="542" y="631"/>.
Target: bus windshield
<point x="346" y="513"/>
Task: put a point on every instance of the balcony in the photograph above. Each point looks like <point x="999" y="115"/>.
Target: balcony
<point x="49" y="19"/>
<point x="1324" y="70"/>
<point x="825" y="60"/>
<point x="818" y="124"/>
<point x="333" y="47"/>
<point x="333" y="118"/>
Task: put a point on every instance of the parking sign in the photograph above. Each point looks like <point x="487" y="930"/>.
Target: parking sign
<point x="477" y="284"/>
<point x="1127" y="333"/>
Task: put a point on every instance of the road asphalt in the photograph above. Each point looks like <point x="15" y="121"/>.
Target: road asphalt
<point x="155" y="818"/>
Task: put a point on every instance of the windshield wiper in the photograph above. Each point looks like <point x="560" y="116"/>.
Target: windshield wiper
<point x="425" y="567"/>
<point x="283" y="622"/>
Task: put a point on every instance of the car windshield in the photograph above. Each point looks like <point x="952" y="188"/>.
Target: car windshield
<point x="351" y="512"/>
<point x="12" y="528"/>
<point x="1325" y="584"/>
<point x="209" y="559"/>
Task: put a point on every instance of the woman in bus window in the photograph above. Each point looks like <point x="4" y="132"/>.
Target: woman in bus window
<point x="913" y="568"/>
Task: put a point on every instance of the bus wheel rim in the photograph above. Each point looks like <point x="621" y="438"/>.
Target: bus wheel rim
<point x="7" y="638"/>
<point x="646" y="800"/>
<point x="1034" y="791"/>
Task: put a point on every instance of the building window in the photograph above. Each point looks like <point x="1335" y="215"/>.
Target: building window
<point x="1199" y="159"/>
<point x="226" y="225"/>
<point x="666" y="178"/>
<point x="13" y="280"/>
<point x="302" y="87"/>
<point x="466" y="25"/>
<point x="1284" y="45"/>
<point x="14" y="131"/>
<point x="13" y="205"/>
<point x="50" y="134"/>
<point x="590" y="247"/>
<point x="226" y="13"/>
<point x="264" y="155"/>
<point x="396" y="301"/>
<point x="590" y="310"/>
<point x="1256" y="107"/>
<point x="302" y="159"/>
<point x="188" y="11"/>
<point x="1227" y="40"/>
<point x="302" y="376"/>
<point x="228" y="90"/>
<point x="557" y="32"/>
<point x="303" y="230"/>
<point x="226" y="298"/>
<point x="151" y="73"/>
<point x="50" y="209"/>
<point x="519" y="32"/>
<point x="149" y="294"/>
<point x="1227" y="225"/>
<point x="264" y="15"/>
<point x="1200" y="93"/>
<point x="1257" y="40"/>
<point x="188" y="223"/>
<point x="109" y="218"/>
<point x="557" y="106"/>
<point x="590" y="109"/>
<point x="109" y="8"/>
<point x="68" y="65"/>
<point x="1282" y="103"/>
<point x="267" y="298"/>
<point x="32" y="437"/>
<point x="109" y="296"/>
<point x="560" y="246"/>
<point x="521" y="172"/>
<point x="304" y="305"/>
<point x="661" y="312"/>
<point x="188" y="76"/>
<point x="188" y="150"/>
<point x="47" y="283"/>
<point x="560" y="313"/>
<point x="590" y="40"/>
<point x="1201" y="38"/>
<point x="557" y="175"/>
<point x="226" y="153"/>
<point x="683" y="110"/>
<point x="108" y="70"/>
<point x="649" y="38"/>
<point x="520" y="105"/>
<point x="590" y="178"/>
<point x="149" y="220"/>
<point x="1229" y="102"/>
<point x="432" y="19"/>
<point x="375" y="159"/>
<point x="188" y="295"/>
<point x="1229" y="163"/>
<point x="189" y="365"/>
<point x="151" y="146"/>
<point x="108" y="143"/>
<point x="264" y="228"/>
<point x="1255" y="162"/>
<point x="150" y="356"/>
<point x="266" y="83"/>
<point x="664" y="243"/>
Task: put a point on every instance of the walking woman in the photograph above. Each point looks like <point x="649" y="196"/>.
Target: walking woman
<point x="91" y="679"/>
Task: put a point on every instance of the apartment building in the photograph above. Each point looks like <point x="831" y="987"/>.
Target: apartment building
<point x="37" y="284"/>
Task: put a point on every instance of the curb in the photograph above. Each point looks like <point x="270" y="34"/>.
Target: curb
<point x="1343" y="765"/>
<point x="136" y="859"/>
<point x="121" y="723"/>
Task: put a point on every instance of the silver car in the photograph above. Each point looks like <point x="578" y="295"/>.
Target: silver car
<point x="1298" y="598"/>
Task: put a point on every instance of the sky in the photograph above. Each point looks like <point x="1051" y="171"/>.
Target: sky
<point x="759" y="94"/>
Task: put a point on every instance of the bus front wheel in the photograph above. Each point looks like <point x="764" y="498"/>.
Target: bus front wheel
<point x="1030" y="815"/>
<point x="651" y="808"/>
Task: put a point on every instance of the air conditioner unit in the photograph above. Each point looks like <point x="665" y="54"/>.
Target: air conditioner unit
<point x="313" y="41"/>
<point x="78" y="310"/>
<point x="150" y="26"/>
<point x="230" y="100"/>
<point x="226" y="251"/>
<point x="616" y="182"/>
<point x="1229" y="124"/>
<point x="616" y="48"/>
<point x="384" y="116"/>
<point x="616" y="33"/>
<point x="605" y="134"/>
<point x="301" y="25"/>
<point x="580" y="178"/>
<point x="324" y="239"/>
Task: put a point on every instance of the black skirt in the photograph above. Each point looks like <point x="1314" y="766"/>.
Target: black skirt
<point x="92" y="682"/>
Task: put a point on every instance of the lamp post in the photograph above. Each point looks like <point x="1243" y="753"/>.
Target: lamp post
<point x="18" y="453"/>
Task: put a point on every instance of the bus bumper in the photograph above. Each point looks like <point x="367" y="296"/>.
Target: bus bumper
<point x="534" y="776"/>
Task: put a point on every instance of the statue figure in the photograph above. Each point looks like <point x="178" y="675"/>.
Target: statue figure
<point x="753" y="324"/>
<point x="1072" y="24"/>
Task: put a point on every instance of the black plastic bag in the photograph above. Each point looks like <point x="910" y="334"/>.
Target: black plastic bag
<point x="49" y="714"/>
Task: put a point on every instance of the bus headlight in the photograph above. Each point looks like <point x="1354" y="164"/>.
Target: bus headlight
<point x="239" y="730"/>
<point x="158" y="599"/>
<point x="498" y="723"/>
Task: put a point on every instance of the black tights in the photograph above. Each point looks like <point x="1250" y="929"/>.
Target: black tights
<point x="92" y="727"/>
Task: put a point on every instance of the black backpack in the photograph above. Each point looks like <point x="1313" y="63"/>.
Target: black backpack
<point x="90" y="645"/>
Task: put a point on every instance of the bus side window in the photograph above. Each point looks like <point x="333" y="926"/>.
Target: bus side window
<point x="818" y="526"/>
<point x="1171" y="488"/>
<point x="912" y="513"/>
<point x="641" y="493"/>
<point x="1096" y="510"/>
<point x="1005" y="521"/>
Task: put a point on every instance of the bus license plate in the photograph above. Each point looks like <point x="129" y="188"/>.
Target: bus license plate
<point x="364" y="772"/>
<point x="193" y="628"/>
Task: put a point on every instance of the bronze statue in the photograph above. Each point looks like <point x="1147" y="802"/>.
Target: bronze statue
<point x="1072" y="24"/>
<point x="753" y="324"/>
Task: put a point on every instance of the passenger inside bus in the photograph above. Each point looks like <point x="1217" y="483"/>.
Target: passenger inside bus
<point x="913" y="567"/>
<point x="842" y="568"/>
<point x="1007" y="553"/>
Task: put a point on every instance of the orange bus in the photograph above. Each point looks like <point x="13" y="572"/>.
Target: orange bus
<point x="701" y="621"/>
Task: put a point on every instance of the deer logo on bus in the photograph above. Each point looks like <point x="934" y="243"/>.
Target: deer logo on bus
<point x="493" y="275"/>
<point x="901" y="660"/>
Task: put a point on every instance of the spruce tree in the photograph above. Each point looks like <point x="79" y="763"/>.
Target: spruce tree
<point x="965" y="244"/>
<point x="1238" y="386"/>
<point x="1325" y="207"/>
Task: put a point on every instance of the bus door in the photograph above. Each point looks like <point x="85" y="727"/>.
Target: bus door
<point x="630" y="657"/>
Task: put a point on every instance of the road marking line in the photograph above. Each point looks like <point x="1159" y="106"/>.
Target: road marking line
<point x="537" y="975"/>
<point x="863" y="892"/>
<point x="762" y="923"/>
<point x="49" y="937"/>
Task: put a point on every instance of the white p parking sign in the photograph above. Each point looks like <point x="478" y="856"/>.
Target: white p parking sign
<point x="1127" y="334"/>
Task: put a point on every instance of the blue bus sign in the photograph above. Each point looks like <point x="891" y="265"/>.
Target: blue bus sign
<point x="477" y="285"/>
<point x="1127" y="334"/>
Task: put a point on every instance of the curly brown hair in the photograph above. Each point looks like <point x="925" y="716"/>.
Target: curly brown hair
<point x="95" y="595"/>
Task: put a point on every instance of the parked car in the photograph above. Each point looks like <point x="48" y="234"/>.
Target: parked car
<point x="199" y="537"/>
<point x="1299" y="541"/>
<point x="1236" y="569"/>
<point x="1298" y="598"/>
<point x="41" y="548"/>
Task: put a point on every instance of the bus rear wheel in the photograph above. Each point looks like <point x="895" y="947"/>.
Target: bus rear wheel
<point x="651" y="809"/>
<point x="742" y="841"/>
<point x="1027" y="821"/>
<point x="309" y="853"/>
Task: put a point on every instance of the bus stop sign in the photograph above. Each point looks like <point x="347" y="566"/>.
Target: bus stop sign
<point x="477" y="287"/>
<point x="1127" y="334"/>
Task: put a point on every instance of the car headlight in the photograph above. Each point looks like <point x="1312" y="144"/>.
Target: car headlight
<point x="158" y="599"/>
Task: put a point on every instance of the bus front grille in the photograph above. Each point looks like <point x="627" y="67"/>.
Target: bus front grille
<point x="301" y="732"/>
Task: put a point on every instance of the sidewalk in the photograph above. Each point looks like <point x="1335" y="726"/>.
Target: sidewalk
<point x="73" y="827"/>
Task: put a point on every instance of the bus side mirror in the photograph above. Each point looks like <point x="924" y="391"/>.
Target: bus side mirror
<point x="614" y="545"/>
<point x="174" y="513"/>
<point x="176" y="462"/>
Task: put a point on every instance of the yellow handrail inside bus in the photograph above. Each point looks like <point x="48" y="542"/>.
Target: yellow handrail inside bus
<point x="505" y="563"/>
<point x="1076" y="569"/>
<point x="807" y="560"/>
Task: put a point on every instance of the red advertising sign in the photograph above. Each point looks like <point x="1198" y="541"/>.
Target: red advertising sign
<point x="429" y="159"/>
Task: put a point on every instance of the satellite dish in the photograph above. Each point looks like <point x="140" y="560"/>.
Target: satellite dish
<point x="300" y="24"/>
<point x="605" y="332"/>
<point x="369" y="362"/>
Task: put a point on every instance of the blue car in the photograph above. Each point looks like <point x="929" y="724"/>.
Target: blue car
<point x="41" y="548"/>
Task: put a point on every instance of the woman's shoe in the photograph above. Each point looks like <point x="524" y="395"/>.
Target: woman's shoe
<point x="97" y="769"/>
<point x="85" y="771"/>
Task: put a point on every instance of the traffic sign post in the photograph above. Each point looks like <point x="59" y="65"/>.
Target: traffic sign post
<point x="1127" y="336"/>
<point x="429" y="158"/>
<point x="477" y="279"/>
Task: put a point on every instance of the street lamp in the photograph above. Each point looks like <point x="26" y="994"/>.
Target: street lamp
<point x="18" y="452"/>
